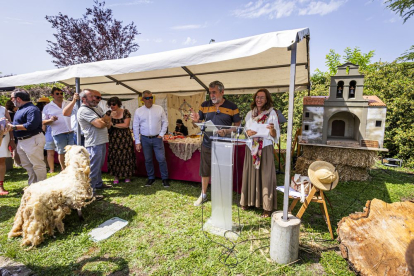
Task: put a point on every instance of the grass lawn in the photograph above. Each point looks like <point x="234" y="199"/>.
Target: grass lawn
<point x="164" y="234"/>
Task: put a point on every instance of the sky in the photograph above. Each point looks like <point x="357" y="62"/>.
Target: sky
<point x="173" y="24"/>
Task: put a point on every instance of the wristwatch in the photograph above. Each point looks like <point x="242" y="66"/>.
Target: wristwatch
<point x="14" y="127"/>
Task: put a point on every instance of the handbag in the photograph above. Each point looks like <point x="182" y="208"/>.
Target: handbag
<point x="301" y="184"/>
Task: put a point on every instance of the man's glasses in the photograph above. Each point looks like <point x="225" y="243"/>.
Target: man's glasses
<point x="57" y="93"/>
<point x="148" y="98"/>
<point x="98" y="97"/>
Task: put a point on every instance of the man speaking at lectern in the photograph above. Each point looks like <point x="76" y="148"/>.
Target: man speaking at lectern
<point x="221" y="112"/>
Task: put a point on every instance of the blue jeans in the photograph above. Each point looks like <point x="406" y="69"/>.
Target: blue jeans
<point x="62" y="140"/>
<point x="156" y="144"/>
<point x="97" y="157"/>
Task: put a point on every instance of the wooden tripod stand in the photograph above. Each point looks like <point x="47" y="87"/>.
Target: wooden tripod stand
<point x="314" y="195"/>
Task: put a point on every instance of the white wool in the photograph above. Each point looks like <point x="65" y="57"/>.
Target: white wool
<point x="45" y="204"/>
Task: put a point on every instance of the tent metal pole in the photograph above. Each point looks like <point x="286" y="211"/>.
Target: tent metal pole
<point x="292" y="48"/>
<point x="78" y="131"/>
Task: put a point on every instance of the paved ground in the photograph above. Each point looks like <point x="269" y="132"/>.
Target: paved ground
<point x="8" y="267"/>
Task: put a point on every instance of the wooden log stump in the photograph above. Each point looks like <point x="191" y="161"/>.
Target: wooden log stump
<point x="375" y="241"/>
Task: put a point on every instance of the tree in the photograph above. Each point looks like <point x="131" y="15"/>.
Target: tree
<point x="355" y="56"/>
<point x="393" y="83"/>
<point x="333" y="60"/>
<point x="94" y="37"/>
<point x="405" y="8"/>
<point x="407" y="55"/>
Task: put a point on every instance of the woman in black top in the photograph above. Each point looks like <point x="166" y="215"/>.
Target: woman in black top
<point x="180" y="128"/>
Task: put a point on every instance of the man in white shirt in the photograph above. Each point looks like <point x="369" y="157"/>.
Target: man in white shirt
<point x="62" y="132"/>
<point x="151" y="123"/>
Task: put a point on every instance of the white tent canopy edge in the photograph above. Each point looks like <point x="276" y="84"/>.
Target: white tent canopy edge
<point x="243" y="65"/>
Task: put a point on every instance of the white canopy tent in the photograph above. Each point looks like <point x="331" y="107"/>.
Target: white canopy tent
<point x="242" y="65"/>
<point x="278" y="61"/>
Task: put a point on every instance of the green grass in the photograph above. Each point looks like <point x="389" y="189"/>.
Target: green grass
<point x="164" y="234"/>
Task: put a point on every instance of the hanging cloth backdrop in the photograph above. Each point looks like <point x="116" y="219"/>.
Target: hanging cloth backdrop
<point x="179" y="107"/>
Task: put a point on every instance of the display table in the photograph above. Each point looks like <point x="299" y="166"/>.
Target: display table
<point x="179" y="169"/>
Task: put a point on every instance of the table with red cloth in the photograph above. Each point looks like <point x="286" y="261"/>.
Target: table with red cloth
<point x="179" y="169"/>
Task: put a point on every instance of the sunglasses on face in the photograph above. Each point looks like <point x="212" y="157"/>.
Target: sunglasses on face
<point x="148" y="98"/>
<point x="57" y="93"/>
<point x="98" y="97"/>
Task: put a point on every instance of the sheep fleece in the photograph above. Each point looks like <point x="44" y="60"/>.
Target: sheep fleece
<point x="45" y="203"/>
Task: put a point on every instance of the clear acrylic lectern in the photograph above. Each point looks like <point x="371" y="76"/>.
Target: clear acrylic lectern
<point x="224" y="139"/>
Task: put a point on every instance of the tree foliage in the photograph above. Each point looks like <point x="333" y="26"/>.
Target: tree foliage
<point x="393" y="83"/>
<point x="355" y="56"/>
<point x="94" y="37"/>
<point x="405" y="8"/>
<point x="37" y="91"/>
<point x="407" y="55"/>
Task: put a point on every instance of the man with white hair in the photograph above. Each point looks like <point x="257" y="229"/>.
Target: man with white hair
<point x="149" y="126"/>
<point x="221" y="112"/>
<point x="94" y="125"/>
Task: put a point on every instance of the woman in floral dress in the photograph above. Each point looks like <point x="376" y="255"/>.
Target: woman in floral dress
<point x="259" y="174"/>
<point x="121" y="154"/>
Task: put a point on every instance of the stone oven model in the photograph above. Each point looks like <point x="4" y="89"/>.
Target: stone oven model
<point x="346" y="117"/>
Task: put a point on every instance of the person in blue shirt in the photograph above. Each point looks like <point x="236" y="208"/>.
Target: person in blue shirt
<point x="27" y="128"/>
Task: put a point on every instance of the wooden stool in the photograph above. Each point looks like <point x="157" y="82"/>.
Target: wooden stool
<point x="315" y="195"/>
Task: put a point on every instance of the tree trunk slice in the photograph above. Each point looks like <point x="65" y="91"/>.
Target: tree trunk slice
<point x="375" y="241"/>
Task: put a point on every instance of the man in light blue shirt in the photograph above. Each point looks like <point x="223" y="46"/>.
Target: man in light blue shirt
<point x="149" y="126"/>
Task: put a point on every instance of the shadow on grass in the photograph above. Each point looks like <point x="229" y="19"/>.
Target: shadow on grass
<point x="137" y="187"/>
<point x="351" y="197"/>
<point x="6" y="212"/>
<point x="95" y="266"/>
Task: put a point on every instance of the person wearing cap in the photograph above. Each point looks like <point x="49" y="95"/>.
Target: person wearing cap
<point x="50" y="144"/>
<point x="62" y="132"/>
<point x="27" y="127"/>
<point x="180" y="128"/>
<point x="149" y="126"/>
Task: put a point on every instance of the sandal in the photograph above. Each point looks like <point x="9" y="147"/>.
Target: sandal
<point x="127" y="180"/>
<point x="116" y="180"/>
<point x="244" y="207"/>
<point x="2" y="190"/>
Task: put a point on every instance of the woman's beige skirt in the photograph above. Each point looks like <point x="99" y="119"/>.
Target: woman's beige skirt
<point x="259" y="185"/>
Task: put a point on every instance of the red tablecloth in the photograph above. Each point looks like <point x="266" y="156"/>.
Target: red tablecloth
<point x="179" y="169"/>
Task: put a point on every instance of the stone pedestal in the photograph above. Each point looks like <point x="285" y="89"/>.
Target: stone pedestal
<point x="284" y="238"/>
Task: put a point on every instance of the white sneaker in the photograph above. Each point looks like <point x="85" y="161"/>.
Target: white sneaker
<point x="200" y="200"/>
